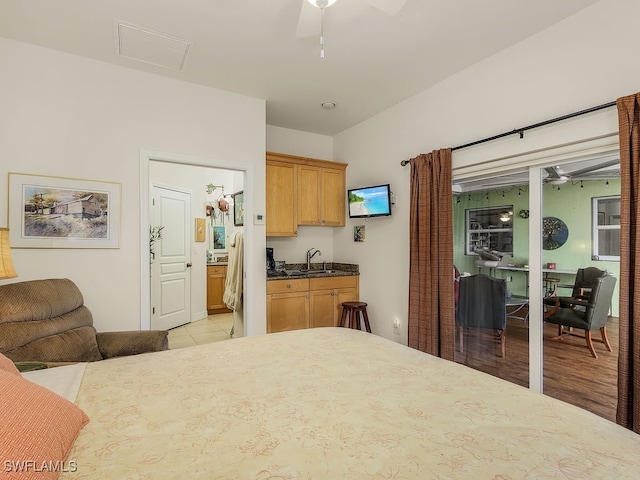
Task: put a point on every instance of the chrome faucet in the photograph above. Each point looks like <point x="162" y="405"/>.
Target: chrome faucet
<point x="310" y="255"/>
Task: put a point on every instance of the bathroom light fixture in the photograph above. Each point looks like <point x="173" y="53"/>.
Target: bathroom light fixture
<point x="322" y="4"/>
<point x="328" y="105"/>
<point x="211" y="187"/>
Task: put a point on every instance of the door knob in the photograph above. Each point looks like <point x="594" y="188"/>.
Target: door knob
<point x="189" y="265"/>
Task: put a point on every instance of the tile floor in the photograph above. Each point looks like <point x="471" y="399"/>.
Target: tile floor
<point x="214" y="328"/>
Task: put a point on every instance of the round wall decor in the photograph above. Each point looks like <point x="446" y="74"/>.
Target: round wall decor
<point x="554" y="233"/>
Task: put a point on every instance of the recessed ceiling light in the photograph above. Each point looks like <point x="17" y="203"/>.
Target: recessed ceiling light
<point x="328" y="105"/>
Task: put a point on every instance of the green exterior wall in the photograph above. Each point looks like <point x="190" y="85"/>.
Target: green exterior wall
<point x="571" y="203"/>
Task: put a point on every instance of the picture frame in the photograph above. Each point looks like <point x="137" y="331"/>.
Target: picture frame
<point x="238" y="208"/>
<point x="219" y="238"/>
<point x="200" y="230"/>
<point x="59" y="212"/>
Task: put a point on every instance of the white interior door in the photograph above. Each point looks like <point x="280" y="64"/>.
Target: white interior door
<point x="170" y="272"/>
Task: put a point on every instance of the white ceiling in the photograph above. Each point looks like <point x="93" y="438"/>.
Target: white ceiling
<point x="373" y="60"/>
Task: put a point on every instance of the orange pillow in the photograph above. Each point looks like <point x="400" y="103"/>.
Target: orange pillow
<point x="7" y="365"/>
<point x="37" y="430"/>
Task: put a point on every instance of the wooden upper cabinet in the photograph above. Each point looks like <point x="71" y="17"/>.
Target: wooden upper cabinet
<point x="308" y="195"/>
<point x="281" y="193"/>
<point x="320" y="195"/>
<point x="332" y="197"/>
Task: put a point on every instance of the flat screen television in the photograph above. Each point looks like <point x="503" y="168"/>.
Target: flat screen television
<point x="374" y="201"/>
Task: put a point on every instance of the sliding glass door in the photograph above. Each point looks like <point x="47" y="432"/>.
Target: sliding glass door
<point x="535" y="230"/>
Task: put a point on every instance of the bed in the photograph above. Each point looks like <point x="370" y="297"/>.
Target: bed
<point x="328" y="403"/>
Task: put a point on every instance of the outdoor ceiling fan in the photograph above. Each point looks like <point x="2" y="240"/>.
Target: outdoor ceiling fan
<point x="601" y="169"/>
<point x="311" y="22"/>
<point x="556" y="176"/>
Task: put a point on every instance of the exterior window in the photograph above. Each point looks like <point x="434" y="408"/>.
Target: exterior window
<point x="606" y="228"/>
<point x="490" y="228"/>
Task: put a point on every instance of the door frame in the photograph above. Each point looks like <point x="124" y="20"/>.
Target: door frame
<point x="252" y="284"/>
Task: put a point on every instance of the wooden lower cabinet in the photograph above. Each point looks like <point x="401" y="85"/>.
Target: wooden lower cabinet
<point x="292" y="305"/>
<point x="216" y="278"/>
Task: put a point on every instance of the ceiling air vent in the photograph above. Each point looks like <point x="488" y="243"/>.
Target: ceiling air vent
<point x="149" y="46"/>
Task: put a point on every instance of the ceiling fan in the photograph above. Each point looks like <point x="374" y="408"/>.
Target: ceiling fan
<point x="311" y="22"/>
<point x="601" y="168"/>
<point x="556" y="176"/>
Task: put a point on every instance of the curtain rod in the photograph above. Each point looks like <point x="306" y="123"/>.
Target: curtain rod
<point x="520" y="131"/>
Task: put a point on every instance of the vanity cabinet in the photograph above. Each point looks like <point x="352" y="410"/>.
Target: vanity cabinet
<point x="303" y="191"/>
<point x="308" y="303"/>
<point x="216" y="278"/>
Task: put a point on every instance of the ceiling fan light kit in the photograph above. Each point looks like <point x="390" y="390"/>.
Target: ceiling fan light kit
<point x="322" y="3"/>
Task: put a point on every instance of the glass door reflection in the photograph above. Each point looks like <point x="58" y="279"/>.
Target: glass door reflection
<point x="580" y="242"/>
<point x="491" y="239"/>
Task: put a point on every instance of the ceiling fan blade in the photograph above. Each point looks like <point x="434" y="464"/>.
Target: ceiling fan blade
<point x="309" y="21"/>
<point x="552" y="172"/>
<point x="594" y="168"/>
<point x="390" y="7"/>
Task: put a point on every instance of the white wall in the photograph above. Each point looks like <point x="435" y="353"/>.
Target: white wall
<point x="586" y="60"/>
<point x="68" y="116"/>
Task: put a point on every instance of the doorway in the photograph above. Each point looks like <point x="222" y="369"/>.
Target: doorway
<point x="192" y="175"/>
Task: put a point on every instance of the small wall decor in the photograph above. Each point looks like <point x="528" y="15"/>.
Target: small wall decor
<point x="219" y="236"/>
<point x="359" y="233"/>
<point x="238" y="208"/>
<point x="554" y="233"/>
<point x="58" y="212"/>
<point x="200" y="231"/>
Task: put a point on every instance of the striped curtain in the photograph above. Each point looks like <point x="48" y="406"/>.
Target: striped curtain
<point x="431" y="293"/>
<point x="628" y="413"/>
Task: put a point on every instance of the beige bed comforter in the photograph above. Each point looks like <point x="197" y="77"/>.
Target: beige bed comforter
<point x="331" y="403"/>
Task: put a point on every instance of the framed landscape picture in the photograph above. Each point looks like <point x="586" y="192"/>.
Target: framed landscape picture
<point x="58" y="212"/>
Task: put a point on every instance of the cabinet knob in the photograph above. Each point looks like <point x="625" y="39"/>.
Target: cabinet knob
<point x="288" y="285"/>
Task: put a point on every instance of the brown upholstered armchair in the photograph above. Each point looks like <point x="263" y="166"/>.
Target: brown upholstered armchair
<point x="47" y="321"/>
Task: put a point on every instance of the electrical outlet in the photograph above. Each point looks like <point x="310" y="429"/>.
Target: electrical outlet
<point x="509" y="278"/>
<point x="396" y="326"/>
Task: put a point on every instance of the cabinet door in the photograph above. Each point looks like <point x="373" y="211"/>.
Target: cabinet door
<point x="215" y="287"/>
<point x="343" y="295"/>
<point x="287" y="311"/>
<point x="281" y="196"/>
<point x="332" y="197"/>
<point x="309" y="195"/>
<point x="321" y="308"/>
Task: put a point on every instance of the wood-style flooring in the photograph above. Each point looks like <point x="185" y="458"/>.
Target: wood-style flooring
<point x="571" y="374"/>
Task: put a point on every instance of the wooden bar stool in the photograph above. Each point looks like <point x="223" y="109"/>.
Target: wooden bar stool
<point x="352" y="310"/>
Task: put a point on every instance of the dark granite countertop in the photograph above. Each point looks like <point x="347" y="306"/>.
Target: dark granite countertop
<point x="298" y="270"/>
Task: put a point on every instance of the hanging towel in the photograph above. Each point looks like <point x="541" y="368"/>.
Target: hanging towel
<point x="232" y="297"/>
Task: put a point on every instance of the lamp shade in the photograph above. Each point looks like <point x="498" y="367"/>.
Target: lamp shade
<point x="6" y="264"/>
